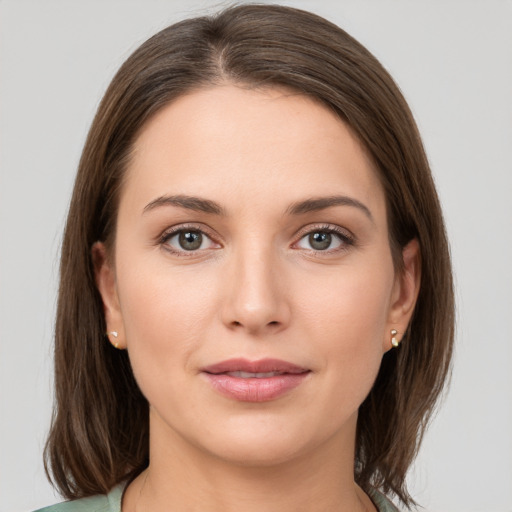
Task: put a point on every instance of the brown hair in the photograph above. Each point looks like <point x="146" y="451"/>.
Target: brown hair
<point x="99" y="433"/>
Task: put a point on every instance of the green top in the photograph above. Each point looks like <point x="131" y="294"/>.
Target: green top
<point x="111" y="502"/>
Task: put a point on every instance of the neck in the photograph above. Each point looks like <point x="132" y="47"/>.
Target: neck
<point x="183" y="477"/>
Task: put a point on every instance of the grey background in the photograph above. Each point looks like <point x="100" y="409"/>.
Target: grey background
<point x="452" y="59"/>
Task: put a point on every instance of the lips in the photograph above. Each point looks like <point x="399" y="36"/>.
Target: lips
<point x="250" y="375"/>
<point x="254" y="381"/>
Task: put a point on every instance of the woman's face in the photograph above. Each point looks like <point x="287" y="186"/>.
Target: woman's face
<point x="252" y="282"/>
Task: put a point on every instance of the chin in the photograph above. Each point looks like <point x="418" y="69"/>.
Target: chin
<point x="257" y="451"/>
<point x="262" y="440"/>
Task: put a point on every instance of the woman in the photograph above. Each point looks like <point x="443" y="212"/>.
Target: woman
<point x="255" y="227"/>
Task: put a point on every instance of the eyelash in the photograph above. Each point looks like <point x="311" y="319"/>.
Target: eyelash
<point x="169" y="234"/>
<point x="347" y="239"/>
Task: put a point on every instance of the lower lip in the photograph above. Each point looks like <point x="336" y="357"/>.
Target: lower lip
<point x="254" y="389"/>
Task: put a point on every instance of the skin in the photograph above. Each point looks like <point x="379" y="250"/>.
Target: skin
<point x="255" y="288"/>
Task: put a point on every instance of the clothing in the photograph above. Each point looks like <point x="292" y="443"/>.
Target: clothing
<point x="381" y="502"/>
<point x="112" y="503"/>
<point x="99" y="503"/>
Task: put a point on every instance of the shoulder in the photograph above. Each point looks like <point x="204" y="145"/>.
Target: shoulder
<point x="110" y="502"/>
<point x="382" y="503"/>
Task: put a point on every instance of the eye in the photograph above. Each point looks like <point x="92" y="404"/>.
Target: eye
<point x="325" y="239"/>
<point x="187" y="240"/>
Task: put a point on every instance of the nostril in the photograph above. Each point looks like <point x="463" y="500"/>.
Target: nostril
<point x="236" y="323"/>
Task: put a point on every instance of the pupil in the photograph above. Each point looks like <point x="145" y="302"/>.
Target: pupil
<point x="190" y="240"/>
<point x="320" y="241"/>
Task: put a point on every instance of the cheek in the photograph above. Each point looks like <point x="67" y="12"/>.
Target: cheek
<point x="347" y="317"/>
<point x="351" y="304"/>
<point x="164" y="314"/>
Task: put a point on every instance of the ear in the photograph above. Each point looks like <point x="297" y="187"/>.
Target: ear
<point x="106" y="282"/>
<point x="405" y="293"/>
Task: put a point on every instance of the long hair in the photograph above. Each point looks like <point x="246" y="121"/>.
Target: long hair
<point x="99" y="432"/>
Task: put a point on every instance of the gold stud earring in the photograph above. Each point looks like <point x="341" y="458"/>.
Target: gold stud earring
<point x="114" y="334"/>
<point x="394" y="341"/>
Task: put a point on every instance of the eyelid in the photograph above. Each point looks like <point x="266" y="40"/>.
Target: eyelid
<point x="168" y="233"/>
<point x="346" y="236"/>
<point x="311" y="228"/>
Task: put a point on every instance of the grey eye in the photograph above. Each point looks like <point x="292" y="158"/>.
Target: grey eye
<point x="320" y="240"/>
<point x="190" y="240"/>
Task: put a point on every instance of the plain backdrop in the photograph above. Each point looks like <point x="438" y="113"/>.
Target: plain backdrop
<point x="453" y="60"/>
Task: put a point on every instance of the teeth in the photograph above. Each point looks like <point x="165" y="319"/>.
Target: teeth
<point x="248" y="375"/>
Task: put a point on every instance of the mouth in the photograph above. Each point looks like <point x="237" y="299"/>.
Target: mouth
<point x="250" y="375"/>
<point x="254" y="381"/>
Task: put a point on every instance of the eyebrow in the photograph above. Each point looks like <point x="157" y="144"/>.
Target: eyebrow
<point x="189" y="202"/>
<point x="315" y="204"/>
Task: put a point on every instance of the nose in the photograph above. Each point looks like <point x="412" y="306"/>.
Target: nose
<point x="256" y="300"/>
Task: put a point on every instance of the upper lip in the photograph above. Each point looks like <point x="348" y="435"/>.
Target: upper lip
<point x="260" y="366"/>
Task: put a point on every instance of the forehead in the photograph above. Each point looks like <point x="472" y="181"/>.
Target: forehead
<point x="228" y="143"/>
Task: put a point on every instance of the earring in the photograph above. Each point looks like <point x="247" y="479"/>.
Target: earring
<point x="394" y="341"/>
<point x="114" y="334"/>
